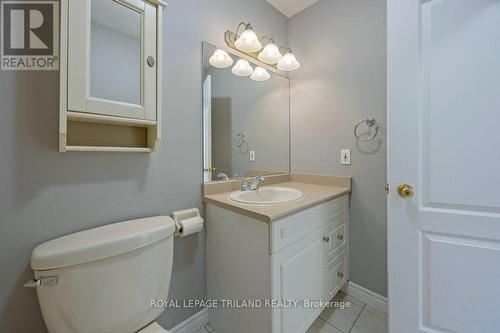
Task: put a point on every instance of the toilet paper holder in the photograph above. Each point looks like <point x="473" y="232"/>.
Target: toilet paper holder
<point x="184" y="215"/>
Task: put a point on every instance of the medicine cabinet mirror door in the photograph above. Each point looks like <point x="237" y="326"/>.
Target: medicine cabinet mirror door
<point x="112" y="58"/>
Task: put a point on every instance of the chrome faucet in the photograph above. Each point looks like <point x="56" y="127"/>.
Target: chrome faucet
<point x="256" y="183"/>
<point x="245" y="186"/>
<point x="222" y="176"/>
<point x="250" y="186"/>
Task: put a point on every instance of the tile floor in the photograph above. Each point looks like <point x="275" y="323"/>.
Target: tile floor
<point x="206" y="329"/>
<point x="359" y="318"/>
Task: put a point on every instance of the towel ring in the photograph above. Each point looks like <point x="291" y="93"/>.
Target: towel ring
<point x="370" y="123"/>
<point x="241" y="143"/>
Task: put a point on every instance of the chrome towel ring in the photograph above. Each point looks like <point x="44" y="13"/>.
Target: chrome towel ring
<point x="370" y="123"/>
<point x="241" y="143"/>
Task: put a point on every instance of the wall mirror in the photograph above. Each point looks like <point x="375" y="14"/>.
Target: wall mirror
<point x="246" y="120"/>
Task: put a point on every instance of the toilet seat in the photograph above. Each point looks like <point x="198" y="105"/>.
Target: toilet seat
<point x="153" y="328"/>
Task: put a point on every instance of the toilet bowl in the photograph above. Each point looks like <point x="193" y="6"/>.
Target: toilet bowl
<point x="106" y="279"/>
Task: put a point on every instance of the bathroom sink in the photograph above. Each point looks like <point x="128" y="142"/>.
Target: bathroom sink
<point x="266" y="196"/>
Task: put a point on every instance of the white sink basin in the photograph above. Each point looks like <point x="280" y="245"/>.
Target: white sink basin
<point x="266" y="196"/>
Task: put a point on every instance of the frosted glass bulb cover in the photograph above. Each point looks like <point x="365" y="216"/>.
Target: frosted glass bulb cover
<point x="242" y="68"/>
<point x="248" y="42"/>
<point x="288" y="63"/>
<point x="270" y="55"/>
<point x="220" y="59"/>
<point x="260" y="74"/>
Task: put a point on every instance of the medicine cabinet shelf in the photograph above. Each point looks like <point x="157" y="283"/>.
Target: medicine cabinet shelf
<point x="108" y="149"/>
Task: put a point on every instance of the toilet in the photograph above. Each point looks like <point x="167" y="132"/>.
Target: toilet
<point x="105" y="280"/>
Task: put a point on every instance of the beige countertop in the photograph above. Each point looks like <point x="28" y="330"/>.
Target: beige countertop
<point x="316" y="189"/>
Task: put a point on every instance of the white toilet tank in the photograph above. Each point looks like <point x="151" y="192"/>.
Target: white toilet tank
<point x="106" y="277"/>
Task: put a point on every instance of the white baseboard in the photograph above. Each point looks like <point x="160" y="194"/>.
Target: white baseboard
<point x="369" y="297"/>
<point x="193" y="323"/>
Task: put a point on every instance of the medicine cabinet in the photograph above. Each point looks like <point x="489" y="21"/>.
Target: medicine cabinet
<point x="110" y="76"/>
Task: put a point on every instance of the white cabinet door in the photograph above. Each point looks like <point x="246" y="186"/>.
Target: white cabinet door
<point x="444" y="98"/>
<point x="112" y="58"/>
<point x="298" y="272"/>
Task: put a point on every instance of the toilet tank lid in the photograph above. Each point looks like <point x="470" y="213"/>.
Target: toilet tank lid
<point x="102" y="242"/>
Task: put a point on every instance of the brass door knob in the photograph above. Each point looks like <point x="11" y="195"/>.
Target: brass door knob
<point x="151" y="61"/>
<point x="405" y="190"/>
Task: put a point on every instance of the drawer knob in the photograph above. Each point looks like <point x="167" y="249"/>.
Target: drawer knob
<point x="340" y="237"/>
<point x="326" y="239"/>
<point x="340" y="275"/>
<point x="151" y="61"/>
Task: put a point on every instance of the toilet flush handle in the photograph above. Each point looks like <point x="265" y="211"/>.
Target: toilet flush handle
<point x="41" y="282"/>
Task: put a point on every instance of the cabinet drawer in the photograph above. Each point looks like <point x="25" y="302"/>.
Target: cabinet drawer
<point x="292" y="228"/>
<point x="336" y="236"/>
<point x="336" y="275"/>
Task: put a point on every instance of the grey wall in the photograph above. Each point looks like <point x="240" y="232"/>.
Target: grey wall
<point x="341" y="44"/>
<point x="46" y="194"/>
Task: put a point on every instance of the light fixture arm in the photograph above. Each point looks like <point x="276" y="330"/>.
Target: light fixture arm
<point x="242" y="24"/>
<point x="285" y="49"/>
<point x="269" y="40"/>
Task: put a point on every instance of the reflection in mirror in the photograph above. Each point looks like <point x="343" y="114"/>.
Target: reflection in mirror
<point x="115" y="50"/>
<point x="246" y="123"/>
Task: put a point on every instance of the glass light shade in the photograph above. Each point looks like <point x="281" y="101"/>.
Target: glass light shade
<point x="242" y="68"/>
<point x="260" y="74"/>
<point x="270" y="55"/>
<point x="220" y="59"/>
<point x="248" y="42"/>
<point x="288" y="63"/>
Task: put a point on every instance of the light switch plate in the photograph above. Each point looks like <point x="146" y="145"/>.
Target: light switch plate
<point x="345" y="156"/>
<point x="252" y="155"/>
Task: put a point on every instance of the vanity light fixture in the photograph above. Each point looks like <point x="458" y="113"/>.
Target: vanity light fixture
<point x="248" y="41"/>
<point x="220" y="59"/>
<point x="242" y="68"/>
<point x="271" y="53"/>
<point x="260" y="74"/>
<point x="288" y="62"/>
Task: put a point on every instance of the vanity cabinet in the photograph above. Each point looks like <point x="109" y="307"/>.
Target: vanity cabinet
<point x="110" y="75"/>
<point x="302" y="257"/>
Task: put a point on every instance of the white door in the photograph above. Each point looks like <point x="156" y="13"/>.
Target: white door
<point x="444" y="141"/>
<point x="207" y="129"/>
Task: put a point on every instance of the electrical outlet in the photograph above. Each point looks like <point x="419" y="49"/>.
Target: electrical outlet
<point x="252" y="155"/>
<point x="345" y="156"/>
